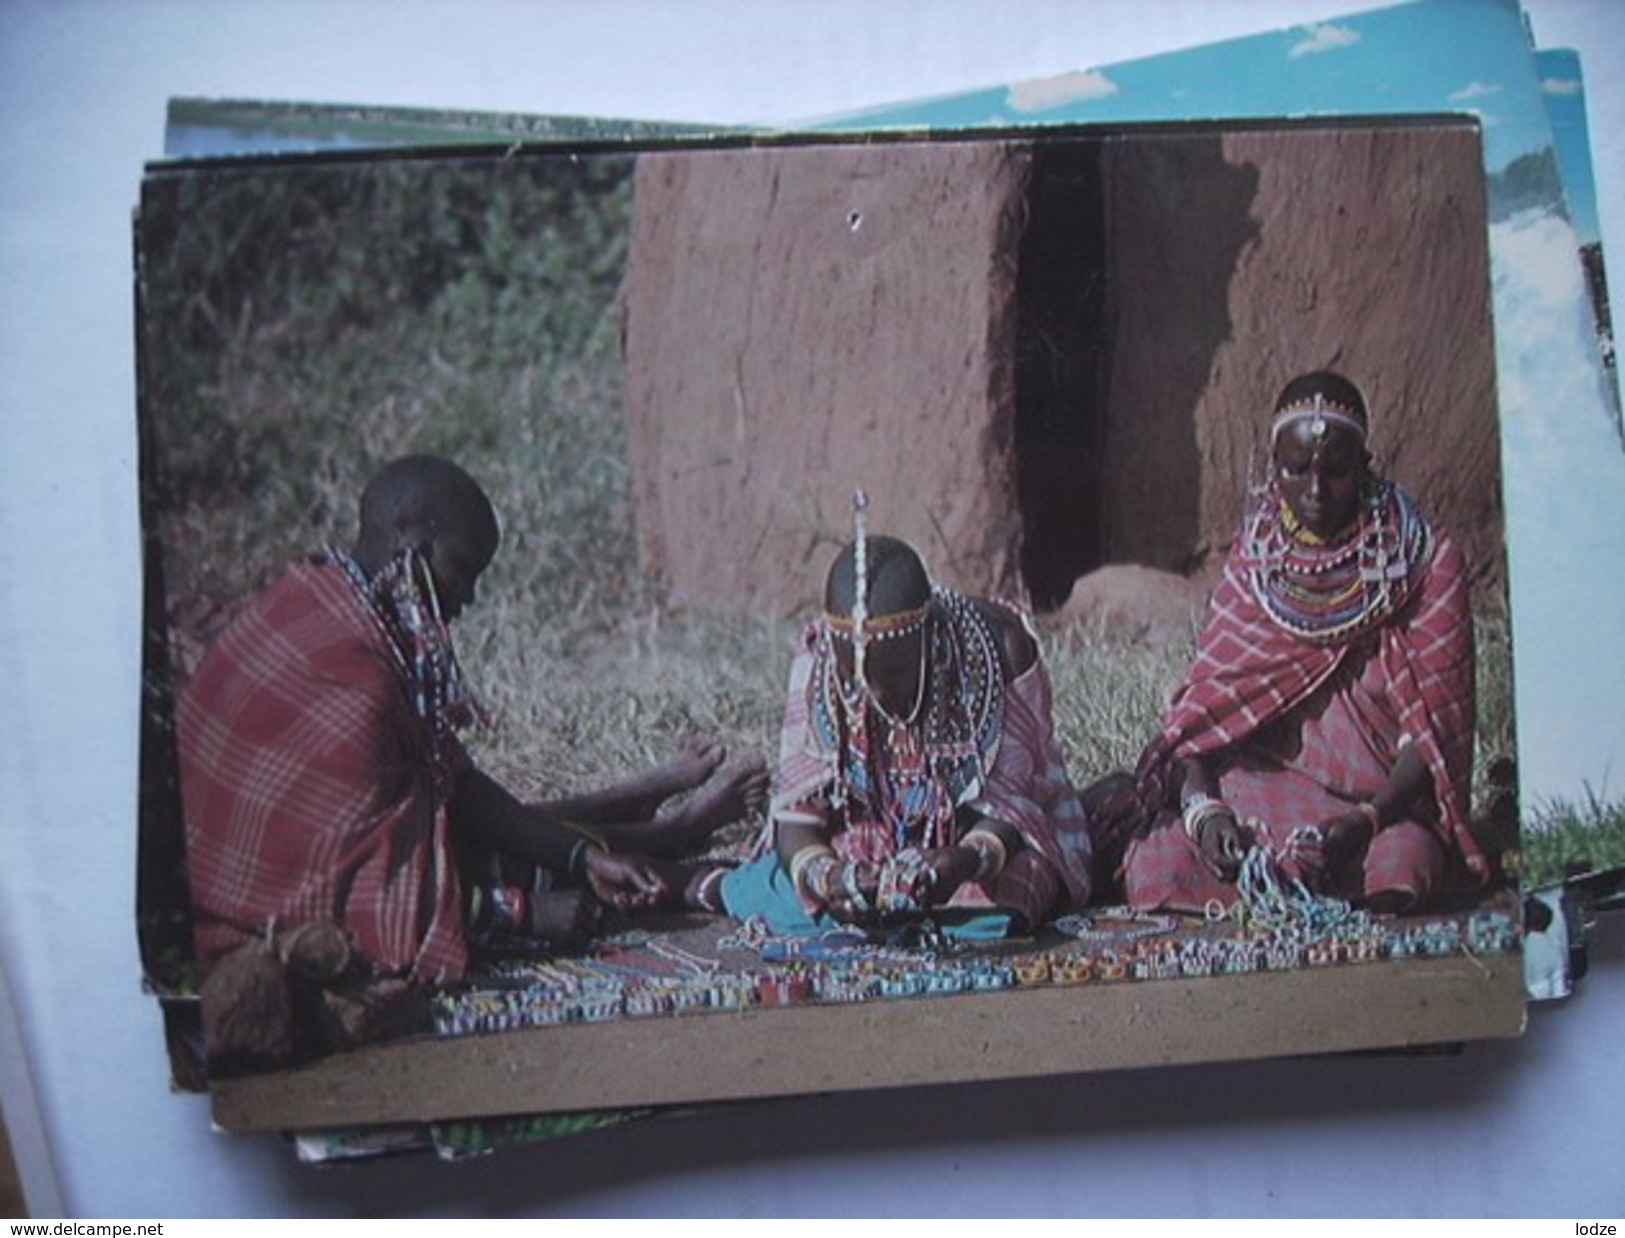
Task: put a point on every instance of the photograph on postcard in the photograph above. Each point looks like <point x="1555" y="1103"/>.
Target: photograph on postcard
<point x="695" y="621"/>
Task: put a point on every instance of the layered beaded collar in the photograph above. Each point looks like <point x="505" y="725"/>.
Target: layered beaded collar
<point x="1329" y="590"/>
<point x="906" y="776"/>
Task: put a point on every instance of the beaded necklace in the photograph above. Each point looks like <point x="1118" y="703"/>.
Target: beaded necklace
<point x="401" y="598"/>
<point x="1328" y="590"/>
<point x="904" y="776"/>
<point x="1283" y="928"/>
<point x="889" y="764"/>
<point x="1267" y="900"/>
<point x="1114" y="925"/>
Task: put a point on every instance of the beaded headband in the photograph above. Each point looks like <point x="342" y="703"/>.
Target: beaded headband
<point x="886" y="627"/>
<point x="1320" y="412"/>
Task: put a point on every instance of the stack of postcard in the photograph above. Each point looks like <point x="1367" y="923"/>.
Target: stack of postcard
<point x="1063" y="577"/>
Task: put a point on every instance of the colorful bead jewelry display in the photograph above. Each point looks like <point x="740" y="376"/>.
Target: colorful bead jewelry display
<point x="641" y="975"/>
<point x="1115" y="924"/>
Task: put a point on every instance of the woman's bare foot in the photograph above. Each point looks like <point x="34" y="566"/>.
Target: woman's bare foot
<point x="737" y="789"/>
<point x="697" y="760"/>
<point x="639" y="798"/>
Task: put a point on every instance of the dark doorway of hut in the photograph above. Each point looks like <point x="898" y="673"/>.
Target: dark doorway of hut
<point x="1120" y="312"/>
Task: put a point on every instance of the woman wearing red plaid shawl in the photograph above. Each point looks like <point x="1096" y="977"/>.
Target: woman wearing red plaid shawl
<point x="918" y="766"/>
<point x="323" y="782"/>
<point x="1329" y="713"/>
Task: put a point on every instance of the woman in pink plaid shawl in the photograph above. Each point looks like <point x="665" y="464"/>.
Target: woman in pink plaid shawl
<point x="1329" y="712"/>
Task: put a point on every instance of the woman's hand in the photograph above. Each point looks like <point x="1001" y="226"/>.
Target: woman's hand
<point x="1211" y="823"/>
<point x="624" y="882"/>
<point x="1224" y="842"/>
<point x="948" y="868"/>
<point x="845" y="905"/>
<point x="1346" y="837"/>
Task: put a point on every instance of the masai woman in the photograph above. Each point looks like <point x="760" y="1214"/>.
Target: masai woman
<point x="1329" y="712"/>
<point x="918" y="768"/>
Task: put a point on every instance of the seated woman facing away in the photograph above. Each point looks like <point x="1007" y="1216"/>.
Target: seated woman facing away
<point x="328" y="797"/>
<point x="1328" y="715"/>
<point x="918" y="767"/>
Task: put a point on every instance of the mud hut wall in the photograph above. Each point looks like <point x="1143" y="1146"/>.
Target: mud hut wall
<point x="1177" y="217"/>
<point x="799" y="323"/>
<point x="1244" y="259"/>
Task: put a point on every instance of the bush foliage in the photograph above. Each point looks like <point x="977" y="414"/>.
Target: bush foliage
<point x="302" y="326"/>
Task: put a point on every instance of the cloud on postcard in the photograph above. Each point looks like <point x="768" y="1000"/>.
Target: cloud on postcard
<point x="1565" y="490"/>
<point x="1052" y="92"/>
<point x="1323" y="37"/>
<point x="1473" y="90"/>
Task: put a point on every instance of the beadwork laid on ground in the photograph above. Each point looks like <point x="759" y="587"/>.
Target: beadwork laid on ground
<point x="643" y="974"/>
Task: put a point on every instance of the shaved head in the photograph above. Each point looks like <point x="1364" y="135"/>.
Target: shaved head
<point x="429" y="505"/>
<point x="897" y="579"/>
<point x="427" y="493"/>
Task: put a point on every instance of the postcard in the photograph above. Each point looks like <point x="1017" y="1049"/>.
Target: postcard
<point x="666" y="370"/>
<point x="1565" y="467"/>
<point x="230" y="128"/>
<point x="1562" y="86"/>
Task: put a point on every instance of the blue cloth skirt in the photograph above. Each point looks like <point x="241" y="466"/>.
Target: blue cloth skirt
<point x="762" y="888"/>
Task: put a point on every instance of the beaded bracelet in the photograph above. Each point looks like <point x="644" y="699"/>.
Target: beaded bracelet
<point x="1198" y="812"/>
<point x="576" y="865"/>
<point x="1194" y="799"/>
<point x="499" y="910"/>
<point x="905" y="880"/>
<point x="849" y="884"/>
<point x="801" y="861"/>
<point x="586" y="832"/>
<point x="821" y="879"/>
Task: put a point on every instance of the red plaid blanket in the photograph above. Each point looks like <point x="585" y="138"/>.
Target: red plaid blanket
<point x="1249" y="672"/>
<point x="308" y="788"/>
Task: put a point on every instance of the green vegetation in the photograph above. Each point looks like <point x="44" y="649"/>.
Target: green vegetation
<point x="300" y="328"/>
<point x="307" y="124"/>
<point x="480" y="1137"/>
<point x="1563" y="836"/>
